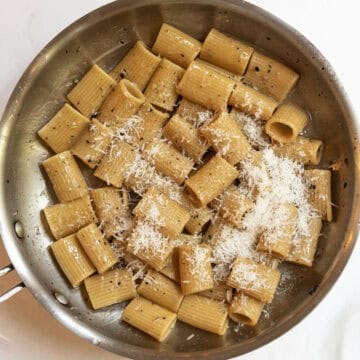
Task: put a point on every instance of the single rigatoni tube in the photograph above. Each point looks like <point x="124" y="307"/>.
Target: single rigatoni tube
<point x="245" y="309"/>
<point x="122" y="103"/>
<point x="219" y="292"/>
<point x="65" y="175"/>
<point x="89" y="93"/>
<point x="164" y="213"/>
<point x="92" y="144"/>
<point x="195" y="268"/>
<point x="234" y="206"/>
<point x="204" y="313"/>
<point x="205" y="86"/>
<point x="195" y="114"/>
<point x="210" y="181"/>
<point x="149" y="245"/>
<point x="270" y="76"/>
<point x="112" y="209"/>
<point x="62" y="131"/>
<point x="226" y="137"/>
<point x="277" y="239"/>
<point x="199" y="217"/>
<point x="150" y="318"/>
<point x="114" y="164"/>
<point x="185" y="137"/>
<point x="67" y="218"/>
<point x="303" y="248"/>
<point x="168" y="160"/>
<point x="110" y="288"/>
<point x="176" y="46"/>
<point x="161" y="290"/>
<point x="97" y="248"/>
<point x="161" y="90"/>
<point x="319" y="192"/>
<point x="171" y="269"/>
<point x="252" y="101"/>
<point x="138" y="65"/>
<point x="150" y="124"/>
<point x="287" y="123"/>
<point x="256" y="280"/>
<point x="72" y="259"/>
<point x="303" y="150"/>
<point x="226" y="52"/>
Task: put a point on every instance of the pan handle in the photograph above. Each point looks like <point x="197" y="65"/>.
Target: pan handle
<point x="14" y="290"/>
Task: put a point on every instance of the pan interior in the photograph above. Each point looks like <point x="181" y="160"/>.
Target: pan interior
<point x="103" y="38"/>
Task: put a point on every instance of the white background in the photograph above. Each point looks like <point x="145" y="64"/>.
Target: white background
<point x="332" y="330"/>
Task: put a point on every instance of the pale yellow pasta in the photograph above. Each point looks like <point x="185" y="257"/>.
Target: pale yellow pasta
<point x="226" y="137"/>
<point x="121" y="104"/>
<point x="161" y="90"/>
<point x="245" y="309"/>
<point x="218" y="70"/>
<point x="97" y="248"/>
<point x="114" y="164"/>
<point x="150" y="122"/>
<point x="287" y="123"/>
<point x="65" y="175"/>
<point x="220" y="292"/>
<point x="171" y="269"/>
<point x="304" y="150"/>
<point x="278" y="241"/>
<point x="199" y="217"/>
<point x="254" y="279"/>
<point x="210" y="181"/>
<point x="176" y="46"/>
<point x="195" y="268"/>
<point x="234" y="206"/>
<point x="111" y="206"/>
<point x="186" y="137"/>
<point x="110" y="288"/>
<point x="67" y="218"/>
<point x="150" y="318"/>
<point x="226" y="52"/>
<point x="270" y="76"/>
<point x="62" y="131"/>
<point x="214" y="231"/>
<point x="194" y="113"/>
<point x="205" y="86"/>
<point x="319" y="189"/>
<point x="148" y="244"/>
<point x="138" y="65"/>
<point x="252" y="102"/>
<point x="303" y="249"/>
<point x="168" y="160"/>
<point x="163" y="212"/>
<point x="72" y="259"/>
<point x="92" y="144"/>
<point x="89" y="93"/>
<point x="204" y="313"/>
<point x="161" y="290"/>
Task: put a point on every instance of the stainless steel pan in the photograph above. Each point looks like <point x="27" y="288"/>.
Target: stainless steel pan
<point x="104" y="36"/>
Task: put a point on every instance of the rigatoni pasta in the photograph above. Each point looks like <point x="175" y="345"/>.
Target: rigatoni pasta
<point x="65" y="175"/>
<point x="205" y="86"/>
<point x="176" y="46"/>
<point x="92" y="144"/>
<point x="110" y="288"/>
<point x="137" y="66"/>
<point x="72" y="259"/>
<point x="62" y="131"/>
<point x="161" y="90"/>
<point x="67" y="218"/>
<point x="97" y="248"/>
<point x="213" y="199"/>
<point x="89" y="93"/>
<point x="226" y="52"/>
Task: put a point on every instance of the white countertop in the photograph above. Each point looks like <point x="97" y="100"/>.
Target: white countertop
<point x="332" y="330"/>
